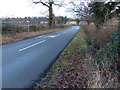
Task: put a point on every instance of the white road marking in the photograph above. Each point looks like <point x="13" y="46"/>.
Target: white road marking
<point x="65" y="32"/>
<point x="39" y="36"/>
<point x="52" y="36"/>
<point x="31" y="45"/>
<point x="58" y="35"/>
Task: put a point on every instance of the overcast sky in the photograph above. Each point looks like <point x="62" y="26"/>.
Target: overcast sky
<point x="23" y="8"/>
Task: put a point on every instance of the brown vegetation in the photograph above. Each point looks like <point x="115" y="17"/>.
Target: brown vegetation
<point x="105" y="74"/>
<point x="102" y="35"/>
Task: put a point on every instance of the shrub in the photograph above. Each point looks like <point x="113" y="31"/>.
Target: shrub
<point x="10" y="28"/>
<point x="41" y="27"/>
<point x="18" y="29"/>
<point x="99" y="37"/>
<point x="104" y="44"/>
<point x="7" y="27"/>
<point x="33" y="28"/>
<point x="110" y="52"/>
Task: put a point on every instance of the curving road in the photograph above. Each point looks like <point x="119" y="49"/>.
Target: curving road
<point x="25" y="61"/>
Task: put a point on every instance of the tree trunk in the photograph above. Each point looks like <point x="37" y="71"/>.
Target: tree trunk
<point x="50" y="14"/>
<point x="88" y="23"/>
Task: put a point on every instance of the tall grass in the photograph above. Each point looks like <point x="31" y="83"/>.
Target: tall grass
<point x="101" y="37"/>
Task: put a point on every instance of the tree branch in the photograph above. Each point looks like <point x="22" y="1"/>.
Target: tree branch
<point x="42" y="3"/>
<point x="57" y="4"/>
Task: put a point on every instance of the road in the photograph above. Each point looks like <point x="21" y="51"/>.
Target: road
<point x="26" y="61"/>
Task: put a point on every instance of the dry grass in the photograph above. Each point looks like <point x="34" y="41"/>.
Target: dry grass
<point x="13" y="37"/>
<point x="102" y="78"/>
<point x="102" y="36"/>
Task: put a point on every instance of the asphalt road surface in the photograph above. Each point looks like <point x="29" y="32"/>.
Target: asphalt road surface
<point x="25" y="61"/>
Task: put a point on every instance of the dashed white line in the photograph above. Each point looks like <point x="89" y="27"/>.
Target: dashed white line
<point x="53" y="36"/>
<point x="31" y="45"/>
<point x="65" y="32"/>
<point x="39" y="36"/>
<point x="58" y="35"/>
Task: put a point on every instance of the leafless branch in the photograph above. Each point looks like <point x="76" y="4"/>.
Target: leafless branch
<point x="42" y="3"/>
<point x="44" y="13"/>
<point x="58" y="4"/>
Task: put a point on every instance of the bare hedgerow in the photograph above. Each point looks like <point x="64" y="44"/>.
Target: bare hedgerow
<point x="103" y="46"/>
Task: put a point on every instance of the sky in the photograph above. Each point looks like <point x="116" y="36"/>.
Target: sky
<point x="25" y="8"/>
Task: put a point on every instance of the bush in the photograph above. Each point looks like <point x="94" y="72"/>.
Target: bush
<point x="7" y="27"/>
<point x="104" y="44"/>
<point x="33" y="28"/>
<point x="18" y="29"/>
<point x="10" y="28"/>
<point x="110" y="52"/>
<point x="99" y="38"/>
<point x="42" y="27"/>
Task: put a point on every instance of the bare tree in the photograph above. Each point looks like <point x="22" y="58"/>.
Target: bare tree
<point x="49" y="4"/>
<point x="81" y="9"/>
